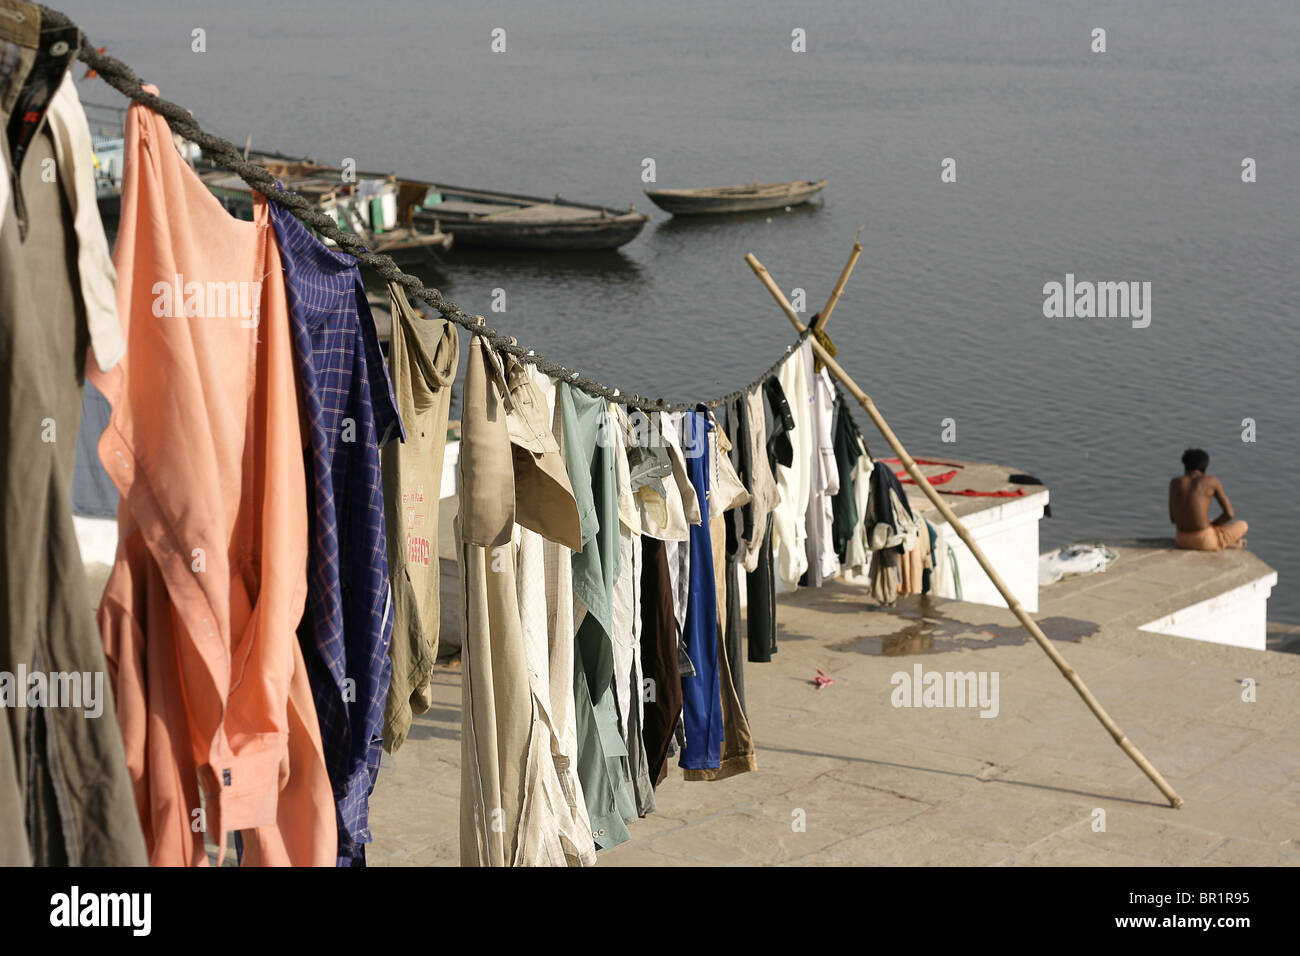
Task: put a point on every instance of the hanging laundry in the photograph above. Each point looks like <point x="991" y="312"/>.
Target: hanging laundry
<point x="942" y="579"/>
<point x="545" y="586"/>
<point x="663" y="705"/>
<point x="891" y="522"/>
<point x="512" y="806"/>
<point x="725" y="495"/>
<point x="626" y="635"/>
<point x="422" y="359"/>
<point x="678" y="551"/>
<point x="746" y="418"/>
<point x="760" y="603"/>
<point x="757" y="472"/>
<point x="931" y="538"/>
<point x="760" y="583"/>
<point x="65" y="789"/>
<point x="857" y="549"/>
<point x="350" y="413"/>
<point x="500" y="747"/>
<point x="733" y="443"/>
<point x="733" y="423"/>
<point x="825" y="483"/>
<point x="779" y="422"/>
<point x="650" y="473"/>
<point x="850" y="449"/>
<point x="544" y="499"/>
<point x="737" y="753"/>
<point x="916" y="561"/>
<point x="669" y="507"/>
<point x="205" y="446"/>
<point x="679" y="573"/>
<point x="595" y="570"/>
<point x="678" y="556"/>
<point x="892" y="532"/>
<point x="844" y="505"/>
<point x="701" y="694"/>
<point x="790" y="525"/>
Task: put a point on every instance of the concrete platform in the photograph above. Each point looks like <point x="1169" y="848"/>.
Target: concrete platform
<point x="878" y="784"/>
<point x="1219" y="596"/>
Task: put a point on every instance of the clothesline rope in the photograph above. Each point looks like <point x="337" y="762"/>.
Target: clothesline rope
<point x="228" y="156"/>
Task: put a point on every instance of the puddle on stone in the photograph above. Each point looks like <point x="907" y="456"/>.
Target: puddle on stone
<point x="931" y="633"/>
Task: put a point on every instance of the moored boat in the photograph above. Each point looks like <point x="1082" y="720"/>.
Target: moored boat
<point x="488" y="218"/>
<point x="511" y="221"/>
<point x="713" y="200"/>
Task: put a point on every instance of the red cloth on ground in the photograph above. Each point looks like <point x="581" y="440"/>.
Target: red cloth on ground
<point x="948" y="476"/>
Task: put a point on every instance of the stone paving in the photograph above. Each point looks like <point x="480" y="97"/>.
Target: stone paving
<point x="845" y="777"/>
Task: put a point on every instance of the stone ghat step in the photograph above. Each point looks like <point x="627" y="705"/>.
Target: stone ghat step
<point x="1217" y="596"/>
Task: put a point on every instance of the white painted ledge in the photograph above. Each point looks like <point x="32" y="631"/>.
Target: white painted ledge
<point x="1238" y="617"/>
<point x="1007" y="533"/>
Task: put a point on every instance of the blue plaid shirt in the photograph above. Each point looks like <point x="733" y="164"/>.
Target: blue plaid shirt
<point x="350" y="410"/>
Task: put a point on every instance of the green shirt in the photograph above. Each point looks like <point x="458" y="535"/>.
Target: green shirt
<point x="590" y="464"/>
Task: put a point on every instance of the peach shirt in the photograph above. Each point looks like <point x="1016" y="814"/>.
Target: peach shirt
<point x="205" y="445"/>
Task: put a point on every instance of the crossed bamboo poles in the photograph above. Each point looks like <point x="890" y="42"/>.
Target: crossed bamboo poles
<point x="923" y="483"/>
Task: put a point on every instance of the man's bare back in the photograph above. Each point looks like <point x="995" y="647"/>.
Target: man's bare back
<point x="1190" y="495"/>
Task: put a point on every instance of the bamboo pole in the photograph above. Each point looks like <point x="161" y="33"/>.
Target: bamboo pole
<point x="1029" y="624"/>
<point x="825" y="314"/>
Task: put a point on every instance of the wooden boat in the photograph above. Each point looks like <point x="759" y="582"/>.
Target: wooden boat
<point x="490" y="219"/>
<point x="484" y="218"/>
<point x="713" y="200"/>
<point x="369" y="207"/>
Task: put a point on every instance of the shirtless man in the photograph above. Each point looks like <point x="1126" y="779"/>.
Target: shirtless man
<point x="1189" y="508"/>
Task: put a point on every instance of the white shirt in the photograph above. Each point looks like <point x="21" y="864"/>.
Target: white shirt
<point x="825" y="480"/>
<point x="789" y="518"/>
<point x="857" y="554"/>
